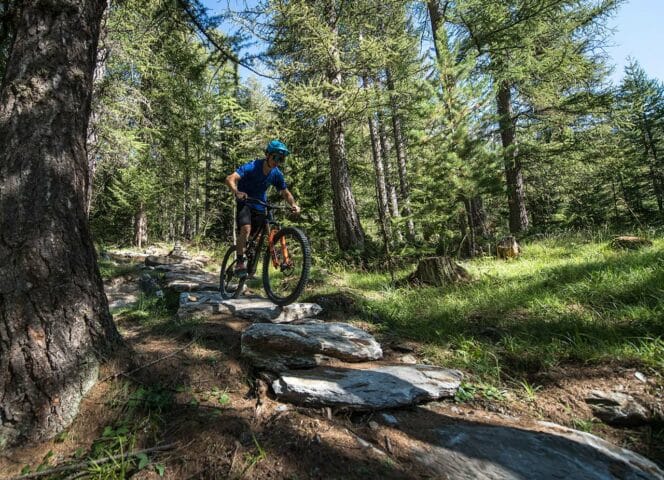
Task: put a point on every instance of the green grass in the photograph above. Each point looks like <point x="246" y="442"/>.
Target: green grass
<point x="564" y="300"/>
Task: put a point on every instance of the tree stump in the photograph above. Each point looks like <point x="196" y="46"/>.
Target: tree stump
<point x="508" y="247"/>
<point x="438" y="271"/>
<point x="628" y="242"/>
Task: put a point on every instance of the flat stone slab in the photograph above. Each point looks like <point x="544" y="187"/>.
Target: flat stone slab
<point x="279" y="347"/>
<point x="469" y="451"/>
<point x="262" y="310"/>
<point x="375" y="388"/>
<point x="183" y="282"/>
<point x="201" y="304"/>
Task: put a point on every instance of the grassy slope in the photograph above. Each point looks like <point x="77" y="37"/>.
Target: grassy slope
<point x="562" y="301"/>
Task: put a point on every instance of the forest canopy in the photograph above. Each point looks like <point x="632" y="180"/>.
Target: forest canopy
<point x="444" y="125"/>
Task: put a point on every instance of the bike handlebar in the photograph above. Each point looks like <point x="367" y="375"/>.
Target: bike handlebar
<point x="269" y="206"/>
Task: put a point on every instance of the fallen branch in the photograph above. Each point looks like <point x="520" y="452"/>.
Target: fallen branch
<point x="95" y="461"/>
<point x="116" y="375"/>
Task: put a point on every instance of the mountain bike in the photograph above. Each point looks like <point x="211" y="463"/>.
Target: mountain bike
<point x="286" y="260"/>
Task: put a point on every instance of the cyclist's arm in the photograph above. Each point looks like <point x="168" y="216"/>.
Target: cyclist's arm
<point x="286" y="195"/>
<point x="231" y="181"/>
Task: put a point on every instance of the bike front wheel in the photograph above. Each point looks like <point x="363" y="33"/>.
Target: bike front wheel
<point x="286" y="268"/>
<point x="230" y="286"/>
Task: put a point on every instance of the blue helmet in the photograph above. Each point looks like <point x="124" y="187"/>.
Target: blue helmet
<point x="276" y="146"/>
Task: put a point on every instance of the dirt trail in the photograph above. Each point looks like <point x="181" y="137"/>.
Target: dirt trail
<point x="197" y="392"/>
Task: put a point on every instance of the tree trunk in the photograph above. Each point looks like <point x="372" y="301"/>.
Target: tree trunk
<point x="393" y="201"/>
<point x="140" y="227"/>
<point x="477" y="228"/>
<point x="435" y="16"/>
<point x="518" y="215"/>
<point x="207" y="189"/>
<point x="350" y="234"/>
<point x="381" y="190"/>
<point x="655" y="174"/>
<point x="54" y="319"/>
<point x="92" y="144"/>
<point x="468" y="230"/>
<point x="186" y="187"/>
<point x="402" y="162"/>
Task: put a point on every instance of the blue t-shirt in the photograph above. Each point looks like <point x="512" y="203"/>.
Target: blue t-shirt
<point x="255" y="184"/>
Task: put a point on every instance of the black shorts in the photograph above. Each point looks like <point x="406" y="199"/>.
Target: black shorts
<point x="249" y="216"/>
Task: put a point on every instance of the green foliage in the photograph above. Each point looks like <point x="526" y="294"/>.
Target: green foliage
<point x="173" y="119"/>
<point x="567" y="300"/>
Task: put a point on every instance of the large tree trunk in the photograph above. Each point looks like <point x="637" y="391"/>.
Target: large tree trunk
<point x="477" y="228"/>
<point x="436" y="16"/>
<point x="402" y="161"/>
<point x="513" y="175"/>
<point x="381" y="189"/>
<point x="92" y="145"/>
<point x="392" y="198"/>
<point x="350" y="234"/>
<point x="186" y="189"/>
<point x="140" y="227"/>
<point x="54" y="319"/>
<point x="654" y="167"/>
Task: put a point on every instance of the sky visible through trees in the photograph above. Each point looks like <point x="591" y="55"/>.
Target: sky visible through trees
<point x="637" y="28"/>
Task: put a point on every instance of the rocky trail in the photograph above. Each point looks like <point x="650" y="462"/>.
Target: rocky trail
<point x="252" y="390"/>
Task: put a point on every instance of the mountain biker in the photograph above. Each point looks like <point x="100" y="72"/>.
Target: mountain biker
<point x="252" y="180"/>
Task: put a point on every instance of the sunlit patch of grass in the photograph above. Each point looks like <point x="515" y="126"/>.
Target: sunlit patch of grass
<point x="564" y="300"/>
<point x="111" y="269"/>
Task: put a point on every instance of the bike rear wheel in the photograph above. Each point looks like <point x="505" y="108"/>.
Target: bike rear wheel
<point x="230" y="286"/>
<point x="285" y="282"/>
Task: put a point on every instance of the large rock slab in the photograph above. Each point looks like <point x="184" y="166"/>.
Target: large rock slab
<point x="200" y="304"/>
<point x="183" y="282"/>
<point x="470" y="451"/>
<point x="262" y="310"/>
<point x="279" y="347"/>
<point x="375" y="388"/>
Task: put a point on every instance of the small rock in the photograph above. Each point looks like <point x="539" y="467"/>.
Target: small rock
<point x="619" y="409"/>
<point x="373" y="425"/>
<point x="408" y="359"/>
<point x="641" y="377"/>
<point x="246" y="438"/>
<point x="390" y="419"/>
<point x="282" y="408"/>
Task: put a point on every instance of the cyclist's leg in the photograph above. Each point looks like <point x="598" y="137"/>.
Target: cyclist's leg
<point x="243" y="220"/>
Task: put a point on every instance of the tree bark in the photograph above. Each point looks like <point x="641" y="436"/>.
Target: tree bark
<point x="438" y="271"/>
<point x="436" y="17"/>
<point x="54" y="320"/>
<point x="402" y="161"/>
<point x="381" y="189"/>
<point x="655" y="174"/>
<point x="392" y="198"/>
<point x="349" y="232"/>
<point x="140" y="227"/>
<point x="186" y="188"/>
<point x="518" y="215"/>
<point x="92" y="144"/>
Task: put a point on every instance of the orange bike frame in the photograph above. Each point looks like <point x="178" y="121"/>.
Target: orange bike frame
<point x="273" y="252"/>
